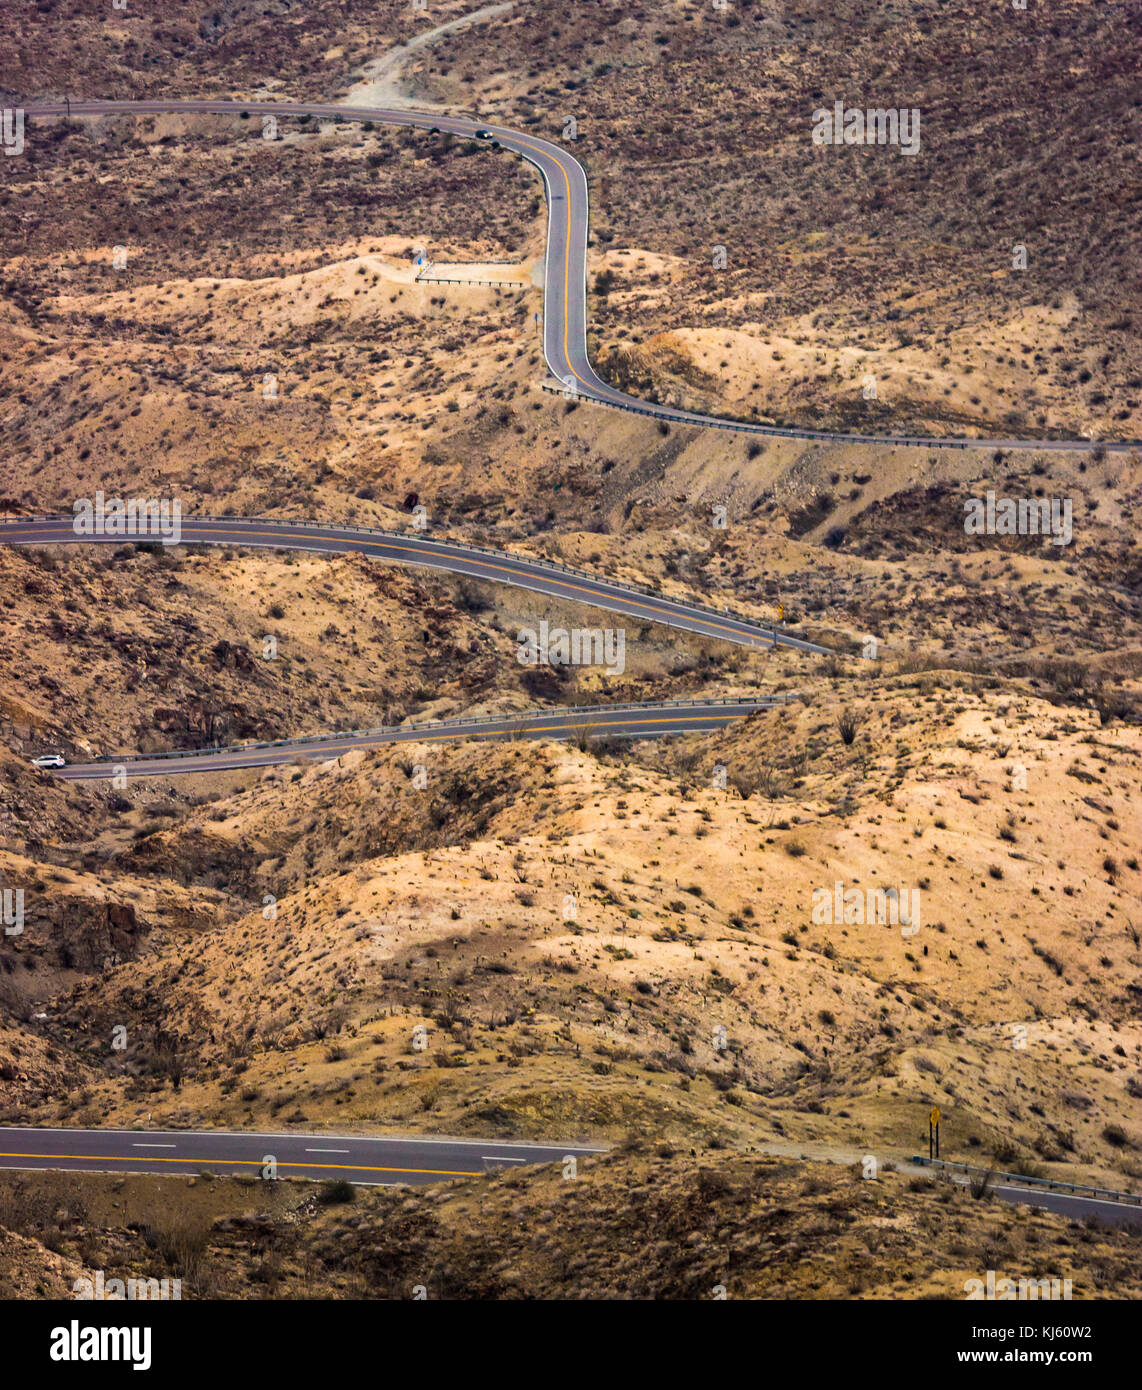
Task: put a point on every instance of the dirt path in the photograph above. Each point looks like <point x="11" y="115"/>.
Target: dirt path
<point x="382" y="85"/>
<point x="828" y="1153"/>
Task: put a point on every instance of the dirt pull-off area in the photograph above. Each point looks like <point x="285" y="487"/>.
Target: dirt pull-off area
<point x="383" y="81"/>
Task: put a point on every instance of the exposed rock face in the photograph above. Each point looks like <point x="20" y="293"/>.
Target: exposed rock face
<point x="112" y="931"/>
<point x="228" y="654"/>
<point x="87" y="935"/>
<point x="73" y="933"/>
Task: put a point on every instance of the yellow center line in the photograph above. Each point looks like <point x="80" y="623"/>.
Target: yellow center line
<point x="489" y="733"/>
<point x="566" y="584"/>
<point x="566" y="253"/>
<point x="721" y="627"/>
<point x="249" y="1163"/>
<point x="299" y="745"/>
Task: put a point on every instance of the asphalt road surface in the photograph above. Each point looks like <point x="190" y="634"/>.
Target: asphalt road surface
<point x="362" y="1160"/>
<point x="497" y="566"/>
<point x="565" y="284"/>
<point x="1078" y="1208"/>
<point x="365" y="1161"/>
<point x="621" y="721"/>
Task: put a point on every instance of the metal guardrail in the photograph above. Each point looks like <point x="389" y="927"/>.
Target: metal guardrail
<point x="558" y="713"/>
<point x="1020" y="1180"/>
<point x="699" y="421"/>
<point x="773" y="634"/>
<point x="423" y="121"/>
<point x="424" y="278"/>
<point x="492" y="284"/>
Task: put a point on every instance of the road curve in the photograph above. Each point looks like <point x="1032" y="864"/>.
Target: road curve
<point x="498" y="566"/>
<point x="363" y="1160"/>
<point x="593" y="721"/>
<point x="565" y="285"/>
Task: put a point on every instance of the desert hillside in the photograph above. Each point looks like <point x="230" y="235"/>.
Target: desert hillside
<point x="724" y="1227"/>
<point x="605" y="941"/>
<point x="668" y="948"/>
<point x="838" y="264"/>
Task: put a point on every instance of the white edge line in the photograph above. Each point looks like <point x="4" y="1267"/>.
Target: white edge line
<point x="278" y="1134"/>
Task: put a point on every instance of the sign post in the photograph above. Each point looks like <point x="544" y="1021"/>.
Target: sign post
<point x="934" y="1132"/>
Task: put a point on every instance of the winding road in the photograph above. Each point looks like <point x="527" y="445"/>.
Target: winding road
<point x="651" y="720"/>
<point x="370" y="1160"/>
<point x="471" y="562"/>
<point x="565" y="282"/>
